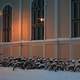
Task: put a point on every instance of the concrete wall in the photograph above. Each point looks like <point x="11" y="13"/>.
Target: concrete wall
<point x="63" y="28"/>
<point x="50" y="20"/>
<point x="26" y="20"/>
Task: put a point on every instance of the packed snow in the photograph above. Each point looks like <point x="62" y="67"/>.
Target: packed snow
<point x="19" y="74"/>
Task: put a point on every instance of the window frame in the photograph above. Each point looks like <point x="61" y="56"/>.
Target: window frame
<point x="35" y="23"/>
<point x="75" y="19"/>
<point x="7" y="25"/>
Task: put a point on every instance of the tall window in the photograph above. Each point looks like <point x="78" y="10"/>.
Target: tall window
<point x="7" y="23"/>
<point x="37" y="20"/>
<point x="75" y="6"/>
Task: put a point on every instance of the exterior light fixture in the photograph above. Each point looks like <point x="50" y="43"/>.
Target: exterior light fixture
<point x="41" y="19"/>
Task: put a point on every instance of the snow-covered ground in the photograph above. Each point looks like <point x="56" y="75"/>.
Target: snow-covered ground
<point x="18" y="74"/>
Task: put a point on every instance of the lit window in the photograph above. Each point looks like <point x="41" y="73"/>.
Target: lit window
<point x="37" y="19"/>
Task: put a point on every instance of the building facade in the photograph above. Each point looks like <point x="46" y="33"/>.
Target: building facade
<point x="46" y="28"/>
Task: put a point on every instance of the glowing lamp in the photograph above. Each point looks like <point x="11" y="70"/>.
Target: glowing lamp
<point x="41" y="19"/>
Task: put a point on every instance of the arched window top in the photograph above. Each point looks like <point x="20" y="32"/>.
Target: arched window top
<point x="7" y="9"/>
<point x="7" y="6"/>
